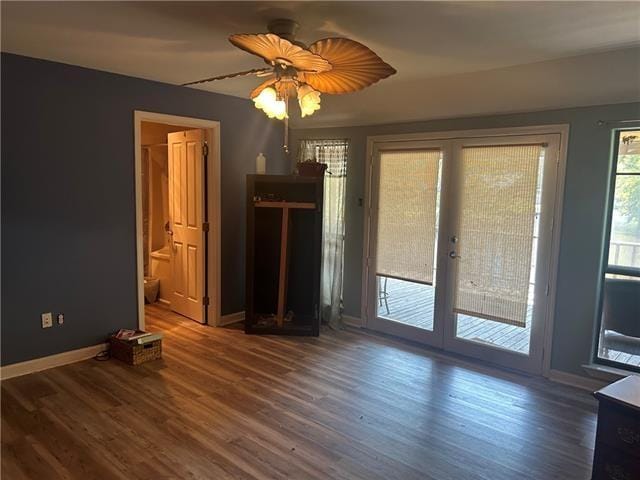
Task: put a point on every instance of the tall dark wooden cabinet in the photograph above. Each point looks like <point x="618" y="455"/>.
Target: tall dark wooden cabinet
<point x="284" y="245"/>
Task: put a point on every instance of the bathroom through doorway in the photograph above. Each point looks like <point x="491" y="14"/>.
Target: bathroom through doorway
<point x="177" y="216"/>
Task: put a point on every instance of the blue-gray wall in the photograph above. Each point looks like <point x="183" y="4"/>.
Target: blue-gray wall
<point x="68" y="205"/>
<point x="588" y="170"/>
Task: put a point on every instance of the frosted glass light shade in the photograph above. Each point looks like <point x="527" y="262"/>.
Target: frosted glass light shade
<point x="268" y="102"/>
<point x="308" y="99"/>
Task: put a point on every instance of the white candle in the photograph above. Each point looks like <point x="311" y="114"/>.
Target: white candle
<point x="261" y="164"/>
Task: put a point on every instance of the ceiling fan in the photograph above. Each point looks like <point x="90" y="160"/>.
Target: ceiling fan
<point x="331" y="65"/>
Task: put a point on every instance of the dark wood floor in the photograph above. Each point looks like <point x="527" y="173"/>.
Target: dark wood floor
<point x="347" y="405"/>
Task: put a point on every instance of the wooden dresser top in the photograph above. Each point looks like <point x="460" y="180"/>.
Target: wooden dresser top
<point x="625" y="392"/>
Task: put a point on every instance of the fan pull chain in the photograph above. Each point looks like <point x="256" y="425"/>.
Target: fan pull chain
<point x="286" y="135"/>
<point x="286" y="123"/>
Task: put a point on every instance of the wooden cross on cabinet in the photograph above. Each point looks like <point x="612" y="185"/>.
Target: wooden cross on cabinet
<point x="284" y="248"/>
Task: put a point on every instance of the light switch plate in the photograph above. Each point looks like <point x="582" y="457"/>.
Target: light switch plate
<point x="47" y="320"/>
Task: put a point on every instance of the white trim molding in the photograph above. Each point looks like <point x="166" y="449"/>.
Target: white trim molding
<point x="473" y="133"/>
<point x="606" y="373"/>
<point x="352" y="321"/>
<point x="214" y="198"/>
<point x="578" y="381"/>
<point x="231" y="318"/>
<point x="45" y="363"/>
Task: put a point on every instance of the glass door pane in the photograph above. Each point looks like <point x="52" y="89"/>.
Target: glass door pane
<point x="407" y="302"/>
<point x="500" y="212"/>
<point x="499" y="249"/>
<point x="407" y="204"/>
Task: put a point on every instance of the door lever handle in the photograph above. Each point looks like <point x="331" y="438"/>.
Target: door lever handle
<point x="167" y="229"/>
<point x="454" y="255"/>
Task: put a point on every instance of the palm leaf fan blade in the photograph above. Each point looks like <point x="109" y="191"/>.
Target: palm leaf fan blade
<point x="354" y="66"/>
<point x="273" y="49"/>
<point x="256" y="91"/>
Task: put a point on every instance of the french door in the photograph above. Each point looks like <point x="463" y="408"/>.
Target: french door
<point x="459" y="251"/>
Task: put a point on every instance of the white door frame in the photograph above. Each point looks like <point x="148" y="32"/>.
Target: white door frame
<point x="558" y="129"/>
<point x="212" y="136"/>
<point x="531" y="362"/>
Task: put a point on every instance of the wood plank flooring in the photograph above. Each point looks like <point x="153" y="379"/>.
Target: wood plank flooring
<point x="347" y="405"/>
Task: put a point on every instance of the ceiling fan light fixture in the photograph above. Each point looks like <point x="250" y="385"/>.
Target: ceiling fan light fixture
<point x="334" y="65"/>
<point x="308" y="99"/>
<point x="268" y="102"/>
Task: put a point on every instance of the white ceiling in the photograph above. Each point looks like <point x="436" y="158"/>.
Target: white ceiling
<point x="453" y="58"/>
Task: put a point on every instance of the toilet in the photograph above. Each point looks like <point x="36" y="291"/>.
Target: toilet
<point x="151" y="287"/>
<point x="161" y="270"/>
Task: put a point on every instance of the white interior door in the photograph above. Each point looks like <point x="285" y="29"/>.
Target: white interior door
<point x="499" y="248"/>
<point x="186" y="212"/>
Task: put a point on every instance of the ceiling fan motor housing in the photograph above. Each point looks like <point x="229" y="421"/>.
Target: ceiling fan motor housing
<point x="285" y="28"/>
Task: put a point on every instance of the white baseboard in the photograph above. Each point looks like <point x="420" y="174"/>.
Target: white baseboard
<point x="352" y="321"/>
<point x="231" y="318"/>
<point x="606" y="373"/>
<point x="585" y="383"/>
<point x="57" y="360"/>
<point x="164" y="301"/>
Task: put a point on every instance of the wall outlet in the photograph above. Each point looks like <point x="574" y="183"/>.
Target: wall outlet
<point x="47" y="320"/>
<point x="60" y="318"/>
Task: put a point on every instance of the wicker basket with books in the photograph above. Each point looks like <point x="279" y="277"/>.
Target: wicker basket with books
<point x="135" y="347"/>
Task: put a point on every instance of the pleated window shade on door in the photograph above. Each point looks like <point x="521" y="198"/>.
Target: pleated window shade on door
<point x="407" y="195"/>
<point x="495" y="228"/>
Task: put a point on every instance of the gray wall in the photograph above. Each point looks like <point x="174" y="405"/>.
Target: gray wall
<point x="588" y="169"/>
<point x="68" y="205"/>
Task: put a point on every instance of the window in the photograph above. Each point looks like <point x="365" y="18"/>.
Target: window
<point x="619" y="339"/>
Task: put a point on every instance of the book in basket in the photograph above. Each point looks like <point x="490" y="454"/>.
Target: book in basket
<point x="137" y="336"/>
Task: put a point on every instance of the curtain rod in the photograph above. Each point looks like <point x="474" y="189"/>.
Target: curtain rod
<point x="338" y="141"/>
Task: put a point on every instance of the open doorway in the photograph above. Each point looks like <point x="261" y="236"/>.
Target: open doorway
<point x="177" y="216"/>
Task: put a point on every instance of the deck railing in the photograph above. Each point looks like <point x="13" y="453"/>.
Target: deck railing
<point x="624" y="253"/>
